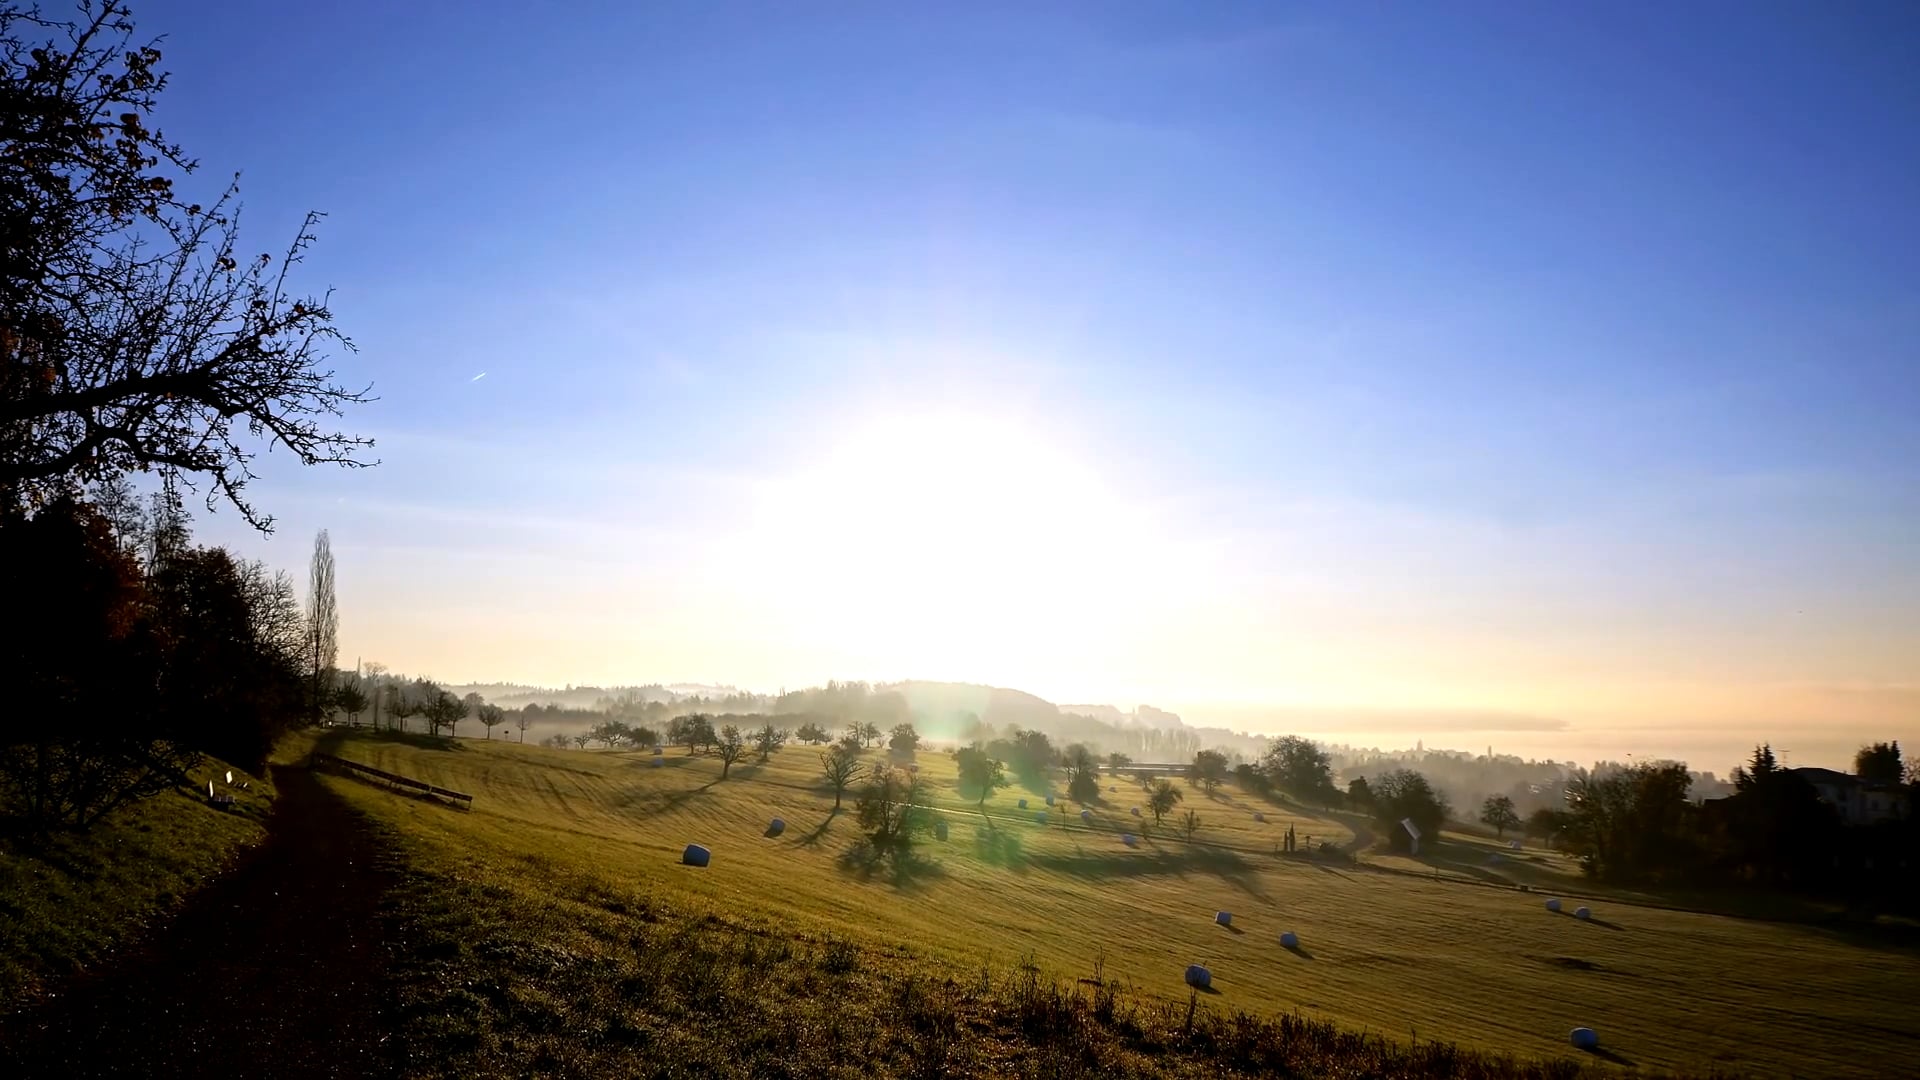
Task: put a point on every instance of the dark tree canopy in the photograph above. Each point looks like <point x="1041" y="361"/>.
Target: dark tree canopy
<point x="135" y="333"/>
<point x="1405" y="795"/>
<point x="1880" y="763"/>
<point x="1298" y="766"/>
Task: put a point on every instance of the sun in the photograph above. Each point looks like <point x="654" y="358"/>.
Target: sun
<point x="949" y="539"/>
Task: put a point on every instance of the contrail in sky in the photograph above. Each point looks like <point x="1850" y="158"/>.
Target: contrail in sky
<point x="478" y="377"/>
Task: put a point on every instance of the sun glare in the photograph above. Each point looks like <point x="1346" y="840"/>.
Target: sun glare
<point x="955" y="539"/>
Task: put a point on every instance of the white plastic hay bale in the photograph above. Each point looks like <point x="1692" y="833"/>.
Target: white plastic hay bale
<point x="1112" y="789"/>
<point x="1040" y="816"/>
<point x="695" y="855"/>
<point x="658" y="761"/>
<point x="1198" y="977"/>
<point x="776" y="826"/>
<point x="1049" y="800"/>
<point x="1023" y="804"/>
<point x="229" y="776"/>
<point x="1583" y="913"/>
<point x="1514" y="844"/>
<point x="1136" y="811"/>
<point x="940" y="829"/>
<point x="1585" y="1038"/>
<point x="1553" y="904"/>
<point x="1086" y="815"/>
<point x="1290" y="940"/>
<point x="1224" y="918"/>
<point x="1129" y="839"/>
<point x="1258" y="816"/>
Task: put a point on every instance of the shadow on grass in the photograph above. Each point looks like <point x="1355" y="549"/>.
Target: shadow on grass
<point x="999" y="847"/>
<point x="900" y="867"/>
<point x="1298" y="951"/>
<point x="673" y="801"/>
<point x="1133" y="863"/>
<point x="1609" y="1056"/>
<point x="335" y="736"/>
<point x="820" y="830"/>
<point x="1325" y="869"/>
<point x="1595" y="920"/>
<point x="1231" y="929"/>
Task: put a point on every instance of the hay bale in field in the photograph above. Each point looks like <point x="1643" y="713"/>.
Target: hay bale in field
<point x="1112" y="790"/>
<point x="1040" y="816"/>
<point x="1290" y="940"/>
<point x="658" y="761"/>
<point x="1553" y="904"/>
<point x="940" y="829"/>
<point x="695" y="855"/>
<point x="1258" y="816"/>
<point x="1023" y="804"/>
<point x="1136" y="811"/>
<point x="1049" y="800"/>
<point x="1514" y="844"/>
<point x="776" y="826"/>
<point x="1224" y="918"/>
<point x="1585" y="1038"/>
<point x="1086" y="816"/>
<point x="1129" y="839"/>
<point x="1583" y="913"/>
<point x="1198" y="977"/>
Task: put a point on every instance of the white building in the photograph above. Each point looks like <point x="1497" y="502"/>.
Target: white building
<point x="1859" y="802"/>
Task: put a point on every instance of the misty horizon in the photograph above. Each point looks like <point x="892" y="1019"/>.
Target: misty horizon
<point x="1711" y="748"/>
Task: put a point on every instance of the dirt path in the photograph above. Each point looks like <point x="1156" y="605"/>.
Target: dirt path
<point x="274" y="971"/>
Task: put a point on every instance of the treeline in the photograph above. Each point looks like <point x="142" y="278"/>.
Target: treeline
<point x="1636" y="824"/>
<point x="144" y="651"/>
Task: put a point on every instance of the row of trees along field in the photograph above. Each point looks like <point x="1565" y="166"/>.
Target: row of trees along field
<point x="139" y="338"/>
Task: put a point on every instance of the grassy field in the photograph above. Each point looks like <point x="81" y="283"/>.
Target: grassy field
<point x="578" y="853"/>
<point x="67" y="905"/>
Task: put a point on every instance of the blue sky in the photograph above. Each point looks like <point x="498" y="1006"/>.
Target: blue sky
<point x="1451" y="356"/>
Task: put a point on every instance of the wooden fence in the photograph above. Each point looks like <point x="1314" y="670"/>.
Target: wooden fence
<point x="355" y="768"/>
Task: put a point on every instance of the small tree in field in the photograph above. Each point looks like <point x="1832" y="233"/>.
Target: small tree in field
<point x="1497" y="813"/>
<point x="580" y="741"/>
<point x="769" y="739"/>
<point x="524" y="720"/>
<point x="444" y="710"/>
<point x="1209" y="769"/>
<point x="1162" y="798"/>
<point x="492" y="716"/>
<point x="1117" y="761"/>
<point x="868" y="733"/>
<point x="841" y="765"/>
<point x="1189" y="824"/>
<point x="401" y="707"/>
<point x="732" y="747"/>
<point x="890" y="807"/>
<point x="980" y="772"/>
<point x="904" y="739"/>
<point x="641" y="738"/>
<point x="812" y="734"/>
<point x="352" y="700"/>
